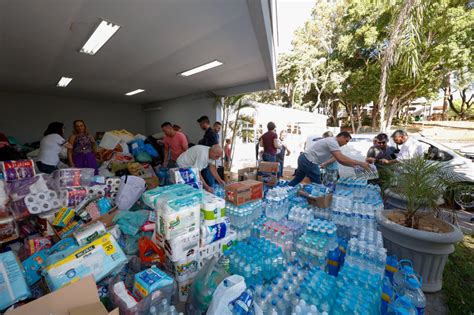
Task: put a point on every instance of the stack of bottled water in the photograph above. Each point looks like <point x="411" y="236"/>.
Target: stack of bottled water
<point x="362" y="173"/>
<point x="242" y="217"/>
<point x="318" y="292"/>
<point x="350" y="215"/>
<point x="318" y="190"/>
<point x="300" y="214"/>
<point x="279" y="295"/>
<point x="278" y="201"/>
<point x="281" y="233"/>
<point x="256" y="259"/>
<point x="360" y="291"/>
<point x="358" y="187"/>
<point x="366" y="255"/>
<point x="219" y="191"/>
<point x="314" y="246"/>
<point x="322" y="213"/>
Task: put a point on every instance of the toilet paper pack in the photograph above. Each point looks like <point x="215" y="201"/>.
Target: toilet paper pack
<point x="212" y="208"/>
<point x="42" y="202"/>
<point x="181" y="247"/>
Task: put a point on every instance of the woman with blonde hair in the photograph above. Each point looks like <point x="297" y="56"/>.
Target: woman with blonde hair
<point x="82" y="154"/>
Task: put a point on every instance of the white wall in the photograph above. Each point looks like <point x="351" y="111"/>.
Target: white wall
<point x="26" y="116"/>
<point x="183" y="111"/>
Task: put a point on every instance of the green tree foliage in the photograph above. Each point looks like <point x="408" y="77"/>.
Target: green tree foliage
<point x="339" y="55"/>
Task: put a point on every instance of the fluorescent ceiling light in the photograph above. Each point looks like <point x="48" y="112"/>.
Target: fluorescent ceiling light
<point x="205" y="67"/>
<point x="134" y="92"/>
<point x="101" y="35"/>
<point x="64" y="81"/>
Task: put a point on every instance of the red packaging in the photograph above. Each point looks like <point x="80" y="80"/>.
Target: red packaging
<point x="149" y="252"/>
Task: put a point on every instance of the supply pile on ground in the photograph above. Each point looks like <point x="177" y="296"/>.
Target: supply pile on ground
<point x="176" y="248"/>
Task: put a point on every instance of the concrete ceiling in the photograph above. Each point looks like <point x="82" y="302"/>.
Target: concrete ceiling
<point x="40" y="40"/>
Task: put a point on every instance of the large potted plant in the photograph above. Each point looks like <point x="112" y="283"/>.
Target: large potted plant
<point x="414" y="231"/>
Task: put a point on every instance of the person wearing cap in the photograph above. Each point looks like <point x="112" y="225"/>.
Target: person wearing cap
<point x="406" y="147"/>
<point x="202" y="157"/>
<point x="320" y="152"/>
<point x="381" y="153"/>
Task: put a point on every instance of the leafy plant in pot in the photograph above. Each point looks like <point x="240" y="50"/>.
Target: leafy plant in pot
<point x="416" y="232"/>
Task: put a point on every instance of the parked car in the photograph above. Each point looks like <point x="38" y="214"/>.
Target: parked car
<point x="359" y="145"/>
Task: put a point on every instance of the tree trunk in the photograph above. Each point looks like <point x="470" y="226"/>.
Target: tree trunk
<point x="375" y="110"/>
<point x="388" y="57"/>
<point x="447" y="93"/>
<point x="359" y="118"/>
<point x="234" y="135"/>
<point x="351" y="117"/>
<point x="334" y="114"/>
<point x="391" y="113"/>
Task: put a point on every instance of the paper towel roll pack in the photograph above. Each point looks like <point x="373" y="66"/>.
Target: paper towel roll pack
<point x="89" y="233"/>
<point x="42" y="202"/>
<point x="14" y="170"/>
<point x="72" y="196"/>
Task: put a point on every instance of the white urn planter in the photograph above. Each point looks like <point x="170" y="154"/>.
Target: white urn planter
<point x="428" y="251"/>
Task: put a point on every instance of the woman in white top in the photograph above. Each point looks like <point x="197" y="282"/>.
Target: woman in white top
<point x="50" y="147"/>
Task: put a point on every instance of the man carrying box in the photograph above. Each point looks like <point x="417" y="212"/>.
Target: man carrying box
<point x="200" y="157"/>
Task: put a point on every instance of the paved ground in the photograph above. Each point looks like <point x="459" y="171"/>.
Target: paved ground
<point x="436" y="304"/>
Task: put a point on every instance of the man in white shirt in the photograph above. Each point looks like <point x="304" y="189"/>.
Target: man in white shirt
<point x="200" y="157"/>
<point x="406" y="147"/>
<point x="320" y="152"/>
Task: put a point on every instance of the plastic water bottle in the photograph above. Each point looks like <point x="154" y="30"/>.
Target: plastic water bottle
<point x="405" y="271"/>
<point x="412" y="290"/>
<point x="243" y="304"/>
<point x="402" y="306"/>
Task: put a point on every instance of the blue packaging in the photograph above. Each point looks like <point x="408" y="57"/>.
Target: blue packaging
<point x="13" y="287"/>
<point x="184" y="175"/>
<point x="33" y="264"/>
<point x="100" y="258"/>
<point x="149" y="281"/>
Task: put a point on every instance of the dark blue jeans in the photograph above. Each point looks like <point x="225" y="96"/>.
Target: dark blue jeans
<point x="267" y="157"/>
<point x="208" y="177"/>
<point x="306" y="168"/>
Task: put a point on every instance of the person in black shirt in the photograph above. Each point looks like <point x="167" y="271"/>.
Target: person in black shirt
<point x="381" y="153"/>
<point x="210" y="137"/>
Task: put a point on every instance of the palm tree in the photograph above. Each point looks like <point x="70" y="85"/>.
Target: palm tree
<point x="404" y="29"/>
<point x="231" y="105"/>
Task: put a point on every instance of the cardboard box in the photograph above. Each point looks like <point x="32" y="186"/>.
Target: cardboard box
<point x="268" y="173"/>
<point x="268" y="167"/>
<point x="269" y="180"/>
<point x="323" y="202"/>
<point x="65" y="301"/>
<point x="243" y="192"/>
<point x="247" y="173"/>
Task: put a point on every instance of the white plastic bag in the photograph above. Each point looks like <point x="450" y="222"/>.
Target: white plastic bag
<point x="130" y="190"/>
<point x="226" y="294"/>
